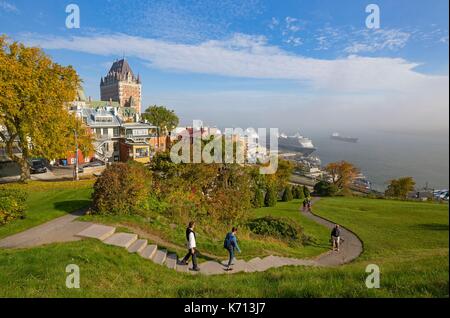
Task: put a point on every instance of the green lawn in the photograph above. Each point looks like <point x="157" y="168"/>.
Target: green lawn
<point x="48" y="200"/>
<point x="409" y="241"/>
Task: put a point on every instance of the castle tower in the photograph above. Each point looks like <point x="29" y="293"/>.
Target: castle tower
<point x="120" y="85"/>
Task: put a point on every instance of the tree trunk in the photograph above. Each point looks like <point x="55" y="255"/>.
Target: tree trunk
<point x="24" y="170"/>
<point x="23" y="163"/>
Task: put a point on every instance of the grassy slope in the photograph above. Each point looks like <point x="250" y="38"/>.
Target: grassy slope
<point x="420" y="270"/>
<point x="210" y="240"/>
<point x="48" y="200"/>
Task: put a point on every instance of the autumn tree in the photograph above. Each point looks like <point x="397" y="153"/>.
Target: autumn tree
<point x="33" y="93"/>
<point x="399" y="188"/>
<point x="164" y="119"/>
<point x="342" y="174"/>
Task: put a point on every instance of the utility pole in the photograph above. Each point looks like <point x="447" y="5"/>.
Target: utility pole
<point x="77" y="177"/>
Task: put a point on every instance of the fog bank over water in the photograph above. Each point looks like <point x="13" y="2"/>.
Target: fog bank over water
<point x="382" y="155"/>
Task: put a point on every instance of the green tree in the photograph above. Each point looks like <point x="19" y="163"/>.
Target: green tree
<point x="258" y="199"/>
<point x="164" y="119"/>
<point x="33" y="95"/>
<point x="300" y="193"/>
<point x="306" y="192"/>
<point x="271" y="197"/>
<point x="287" y="194"/>
<point x="325" y="189"/>
<point x="399" y="188"/>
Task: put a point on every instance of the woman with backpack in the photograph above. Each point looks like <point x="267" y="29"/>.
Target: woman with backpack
<point x="231" y="245"/>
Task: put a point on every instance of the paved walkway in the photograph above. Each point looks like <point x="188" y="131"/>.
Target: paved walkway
<point x="62" y="229"/>
<point x="351" y="246"/>
<point x="66" y="229"/>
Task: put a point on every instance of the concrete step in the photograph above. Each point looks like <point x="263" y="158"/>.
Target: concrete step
<point x="138" y="246"/>
<point x="96" y="231"/>
<point x="253" y="265"/>
<point x="160" y="257"/>
<point x="171" y="261"/>
<point x="239" y="266"/>
<point x="274" y="261"/>
<point x="182" y="268"/>
<point x="211" y="268"/>
<point x="149" y="251"/>
<point x="121" y="239"/>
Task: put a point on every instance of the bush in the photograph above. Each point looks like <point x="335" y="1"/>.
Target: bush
<point x="281" y="228"/>
<point x="271" y="197"/>
<point x="325" y="189"/>
<point x="287" y="194"/>
<point x="12" y="205"/>
<point x="123" y="188"/>
<point x="258" y="199"/>
<point x="306" y="192"/>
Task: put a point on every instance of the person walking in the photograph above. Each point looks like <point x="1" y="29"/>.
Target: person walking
<point x="336" y="237"/>
<point x="231" y="245"/>
<point x="309" y="204"/>
<point x="305" y="203"/>
<point x="192" y="247"/>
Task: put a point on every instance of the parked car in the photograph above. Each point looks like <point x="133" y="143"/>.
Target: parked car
<point x="94" y="164"/>
<point x="37" y="167"/>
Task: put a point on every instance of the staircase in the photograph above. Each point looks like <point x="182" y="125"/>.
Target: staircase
<point x="131" y="242"/>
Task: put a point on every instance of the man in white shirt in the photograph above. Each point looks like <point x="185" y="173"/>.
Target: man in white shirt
<point x="192" y="247"/>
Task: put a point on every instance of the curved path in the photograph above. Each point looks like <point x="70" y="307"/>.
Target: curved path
<point x="351" y="246"/>
<point x="66" y="228"/>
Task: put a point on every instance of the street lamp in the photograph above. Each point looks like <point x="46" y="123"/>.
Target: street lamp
<point x="77" y="178"/>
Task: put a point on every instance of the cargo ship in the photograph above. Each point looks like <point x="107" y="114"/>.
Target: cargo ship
<point x="337" y="136"/>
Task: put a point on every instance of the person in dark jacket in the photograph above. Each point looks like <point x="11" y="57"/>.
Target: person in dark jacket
<point x="231" y="245"/>
<point x="336" y="237"/>
<point x="192" y="247"/>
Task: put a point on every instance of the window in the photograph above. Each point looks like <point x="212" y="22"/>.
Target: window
<point x="116" y="132"/>
<point x="141" y="153"/>
<point x="116" y="146"/>
<point x="103" y="119"/>
<point x="98" y="132"/>
<point x="140" y="132"/>
<point x="105" y="131"/>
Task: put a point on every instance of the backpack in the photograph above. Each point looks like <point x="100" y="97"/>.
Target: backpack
<point x="226" y="242"/>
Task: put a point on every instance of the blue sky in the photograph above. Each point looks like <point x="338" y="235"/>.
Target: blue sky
<point x="259" y="63"/>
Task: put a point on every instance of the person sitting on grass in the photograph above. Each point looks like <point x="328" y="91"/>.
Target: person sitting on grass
<point x="231" y="245"/>
<point x="336" y="237"/>
<point x="192" y="247"/>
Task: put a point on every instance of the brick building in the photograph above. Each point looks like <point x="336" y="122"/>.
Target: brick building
<point x="121" y="85"/>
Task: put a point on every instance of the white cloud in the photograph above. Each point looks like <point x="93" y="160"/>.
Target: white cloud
<point x="8" y="7"/>
<point x="250" y="57"/>
<point x="377" y="40"/>
<point x="366" y="90"/>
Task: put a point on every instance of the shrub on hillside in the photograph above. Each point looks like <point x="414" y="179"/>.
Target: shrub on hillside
<point x="258" y="199"/>
<point x="287" y="194"/>
<point x="277" y="227"/>
<point x="12" y="205"/>
<point x="306" y="192"/>
<point x="123" y="188"/>
<point x="271" y="197"/>
<point x="325" y="189"/>
<point x="297" y="192"/>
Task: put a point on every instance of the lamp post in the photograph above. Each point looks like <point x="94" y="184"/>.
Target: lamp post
<point x="77" y="178"/>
